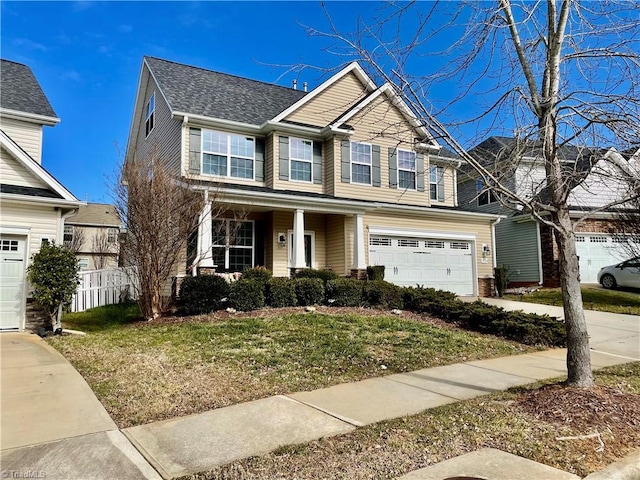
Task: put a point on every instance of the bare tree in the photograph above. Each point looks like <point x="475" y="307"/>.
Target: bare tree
<point x="160" y="211"/>
<point x="77" y="239"/>
<point x="557" y="73"/>
<point x="101" y="250"/>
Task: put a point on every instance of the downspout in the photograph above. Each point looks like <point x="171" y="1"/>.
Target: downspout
<point x="493" y="241"/>
<point x="63" y="217"/>
<point x="183" y="145"/>
<point x="539" y="241"/>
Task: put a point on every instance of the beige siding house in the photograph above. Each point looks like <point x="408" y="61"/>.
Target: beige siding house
<point x="340" y="177"/>
<point x="33" y="204"/>
<point x="93" y="233"/>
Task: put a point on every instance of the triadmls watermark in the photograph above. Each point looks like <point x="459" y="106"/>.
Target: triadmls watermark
<point x="23" y="474"/>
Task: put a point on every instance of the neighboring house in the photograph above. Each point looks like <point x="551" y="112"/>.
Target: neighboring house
<point x="93" y="234"/>
<point x="33" y="203"/>
<point x="341" y="177"/>
<point x="526" y="246"/>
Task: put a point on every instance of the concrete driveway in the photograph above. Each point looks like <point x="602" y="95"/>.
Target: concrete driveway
<point x="51" y="423"/>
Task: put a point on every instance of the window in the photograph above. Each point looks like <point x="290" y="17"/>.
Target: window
<point x="598" y="239"/>
<point x="361" y="159"/>
<point x="408" y="243"/>
<point x="227" y="155"/>
<point x="68" y="234"/>
<point x="150" y="114"/>
<point x="83" y="263"/>
<point x="434" y="244"/>
<point x="580" y="238"/>
<point x="112" y="235"/>
<point x="436" y="183"/>
<point x="485" y="197"/>
<point x="407" y="170"/>
<point x="459" y="246"/>
<point x="233" y="243"/>
<point x="301" y="155"/>
<point x="9" y="245"/>
<point x="380" y="242"/>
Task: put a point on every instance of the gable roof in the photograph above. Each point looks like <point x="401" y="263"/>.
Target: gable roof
<point x="55" y="189"/>
<point x="96" y="214"/>
<point x="21" y="92"/>
<point x="197" y="91"/>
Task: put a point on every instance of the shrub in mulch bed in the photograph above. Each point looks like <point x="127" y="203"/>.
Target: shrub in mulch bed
<point x="281" y="292"/>
<point x="309" y="291"/>
<point x="246" y="295"/>
<point x="202" y="294"/>
<point x="378" y="293"/>
<point x="345" y="292"/>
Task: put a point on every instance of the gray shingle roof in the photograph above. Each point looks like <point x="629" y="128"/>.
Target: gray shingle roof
<point x="96" y="214"/>
<point x="218" y="95"/>
<point x="21" y="91"/>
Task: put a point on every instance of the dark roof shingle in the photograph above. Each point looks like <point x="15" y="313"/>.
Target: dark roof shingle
<point x="218" y="95"/>
<point x="21" y="91"/>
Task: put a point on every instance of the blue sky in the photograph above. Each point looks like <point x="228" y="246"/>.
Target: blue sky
<point x="87" y="57"/>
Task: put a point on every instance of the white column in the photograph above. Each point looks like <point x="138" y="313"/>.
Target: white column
<point x="358" y="243"/>
<point x="298" y="239"/>
<point x="205" y="235"/>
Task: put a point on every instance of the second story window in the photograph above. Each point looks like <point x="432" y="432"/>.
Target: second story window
<point x="301" y="155"/>
<point x="361" y="163"/>
<point x="150" y="114"/>
<point x="485" y="196"/>
<point x="112" y="235"/>
<point x="227" y="155"/>
<point x="406" y="170"/>
<point x="436" y="183"/>
<point x="68" y="234"/>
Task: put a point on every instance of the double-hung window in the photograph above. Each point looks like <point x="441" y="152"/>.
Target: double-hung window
<point x="485" y="196"/>
<point x="406" y="170"/>
<point x="227" y="155"/>
<point x="361" y="159"/>
<point x="436" y="183"/>
<point x="233" y="244"/>
<point x="301" y="156"/>
<point x="150" y="114"/>
<point x="68" y="234"/>
<point x="112" y="235"/>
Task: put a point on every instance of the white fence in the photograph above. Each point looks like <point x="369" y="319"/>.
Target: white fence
<point x="102" y="287"/>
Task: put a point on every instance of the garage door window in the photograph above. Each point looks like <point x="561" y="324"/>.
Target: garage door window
<point x="380" y="242"/>
<point x="459" y="246"/>
<point x="9" y="245"/>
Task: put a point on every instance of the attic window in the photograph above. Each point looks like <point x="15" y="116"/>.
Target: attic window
<point x="150" y="114"/>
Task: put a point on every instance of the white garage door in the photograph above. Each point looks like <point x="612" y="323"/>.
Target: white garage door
<point x="12" y="274"/>
<point x="436" y="263"/>
<point x="597" y="251"/>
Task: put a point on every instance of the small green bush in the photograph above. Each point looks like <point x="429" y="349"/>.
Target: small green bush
<point x="202" y="294"/>
<point x="259" y="274"/>
<point x="324" y="275"/>
<point x="246" y="295"/>
<point x="375" y="272"/>
<point x="501" y="275"/>
<point x="378" y="293"/>
<point x="310" y="291"/>
<point x="281" y="292"/>
<point x="345" y="292"/>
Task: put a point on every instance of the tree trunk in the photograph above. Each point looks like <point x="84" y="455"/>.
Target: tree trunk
<point x="578" y="353"/>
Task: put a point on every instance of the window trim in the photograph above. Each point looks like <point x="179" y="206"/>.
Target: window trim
<point x="353" y="162"/>
<point x="490" y="196"/>
<point x="112" y="235"/>
<point x="228" y="154"/>
<point x="302" y="160"/>
<point x="437" y="183"/>
<point x="68" y="231"/>
<point x="228" y="246"/>
<point x="149" y="116"/>
<point x="414" y="171"/>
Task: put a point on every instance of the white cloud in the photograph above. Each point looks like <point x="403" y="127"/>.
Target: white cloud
<point x="29" y="44"/>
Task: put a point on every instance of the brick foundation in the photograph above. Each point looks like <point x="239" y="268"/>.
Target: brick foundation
<point x="360" y="274"/>
<point x="485" y="287"/>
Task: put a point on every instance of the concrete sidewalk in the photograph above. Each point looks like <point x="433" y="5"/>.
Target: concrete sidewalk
<point x="52" y="424"/>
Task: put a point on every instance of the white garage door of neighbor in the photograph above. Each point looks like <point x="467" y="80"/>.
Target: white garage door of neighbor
<point x="597" y="251"/>
<point x="12" y="281"/>
<point x="436" y="263"/>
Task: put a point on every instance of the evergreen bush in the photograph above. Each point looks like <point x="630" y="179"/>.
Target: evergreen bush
<point x="202" y="294"/>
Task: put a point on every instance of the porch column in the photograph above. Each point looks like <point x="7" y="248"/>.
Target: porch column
<point x="358" y="243"/>
<point x="205" y="235"/>
<point x="298" y="239"/>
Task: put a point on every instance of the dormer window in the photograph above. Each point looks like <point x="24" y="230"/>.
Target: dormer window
<point x="150" y="114"/>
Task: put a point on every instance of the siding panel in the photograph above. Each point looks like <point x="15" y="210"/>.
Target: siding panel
<point x="27" y="135"/>
<point x="517" y="249"/>
<point x="13" y="173"/>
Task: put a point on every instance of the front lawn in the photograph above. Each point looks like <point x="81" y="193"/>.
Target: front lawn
<point x="144" y="372"/>
<point x="614" y="301"/>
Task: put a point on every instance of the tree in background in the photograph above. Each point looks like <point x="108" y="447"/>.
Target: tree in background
<point x="53" y="275"/>
<point x="557" y="73"/>
<point x="101" y="250"/>
<point x="75" y="240"/>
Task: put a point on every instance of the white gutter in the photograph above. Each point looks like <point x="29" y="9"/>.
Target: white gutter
<point x="29" y="117"/>
<point x="15" y="198"/>
<point x="493" y="241"/>
<point x="60" y="232"/>
<point x="218" y="122"/>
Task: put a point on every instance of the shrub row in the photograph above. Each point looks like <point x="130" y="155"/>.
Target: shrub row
<point x="257" y="288"/>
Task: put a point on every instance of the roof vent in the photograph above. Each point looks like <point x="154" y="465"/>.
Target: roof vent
<point x="305" y="86"/>
<point x="295" y="84"/>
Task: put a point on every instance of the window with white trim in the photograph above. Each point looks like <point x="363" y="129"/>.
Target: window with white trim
<point x="68" y="234"/>
<point x="598" y="239"/>
<point x="485" y="196"/>
<point x="361" y="160"/>
<point x="459" y="246"/>
<point x="112" y="235"/>
<point x="301" y="159"/>
<point x="406" y="169"/>
<point x="227" y="155"/>
<point x="436" y="183"/>
<point x="150" y="114"/>
<point x="403" y="242"/>
<point x="233" y="244"/>
<point x="380" y="241"/>
<point x="434" y="244"/>
<point x="9" y="245"/>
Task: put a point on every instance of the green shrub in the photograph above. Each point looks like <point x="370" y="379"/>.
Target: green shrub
<point x="324" y="275"/>
<point x="281" y="292"/>
<point x="246" y="295"/>
<point x="375" y="272"/>
<point x="310" y="291"/>
<point x="345" y="292"/>
<point x="259" y="274"/>
<point x="202" y="294"/>
<point x="378" y="293"/>
<point x="418" y="298"/>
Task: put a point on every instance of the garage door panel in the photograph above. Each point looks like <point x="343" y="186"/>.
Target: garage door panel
<point x="12" y="279"/>
<point x="596" y="251"/>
